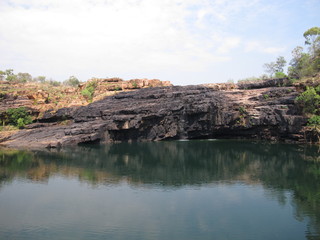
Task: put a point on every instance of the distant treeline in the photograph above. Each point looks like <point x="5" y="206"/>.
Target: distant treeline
<point x="10" y="76"/>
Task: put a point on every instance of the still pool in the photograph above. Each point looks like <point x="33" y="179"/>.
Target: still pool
<point x="221" y="189"/>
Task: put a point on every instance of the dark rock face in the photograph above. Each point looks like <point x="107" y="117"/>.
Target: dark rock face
<point x="154" y="114"/>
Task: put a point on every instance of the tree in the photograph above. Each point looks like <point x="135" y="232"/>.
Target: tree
<point x="72" y="81"/>
<point x="280" y="64"/>
<point x="275" y="67"/>
<point x="24" y="77"/>
<point x="312" y="37"/>
<point x="54" y="83"/>
<point x="300" y="64"/>
<point x="9" y="72"/>
<point x="306" y="64"/>
<point x="17" y="117"/>
<point x="10" y="75"/>
<point x="310" y="100"/>
<point x="2" y="75"/>
<point x="41" y="79"/>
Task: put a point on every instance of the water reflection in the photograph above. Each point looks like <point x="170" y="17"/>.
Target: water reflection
<point x="280" y="168"/>
<point x="170" y="164"/>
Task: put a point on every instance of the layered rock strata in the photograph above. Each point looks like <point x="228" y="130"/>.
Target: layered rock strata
<point x="174" y="112"/>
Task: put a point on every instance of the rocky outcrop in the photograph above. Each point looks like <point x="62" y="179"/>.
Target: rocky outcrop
<point x="174" y="112"/>
<point x="40" y="98"/>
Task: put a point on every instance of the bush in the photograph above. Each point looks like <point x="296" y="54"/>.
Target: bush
<point x="280" y="75"/>
<point x="88" y="92"/>
<point x="18" y="117"/>
<point x="135" y="85"/>
<point x="310" y="100"/>
<point x="314" y="121"/>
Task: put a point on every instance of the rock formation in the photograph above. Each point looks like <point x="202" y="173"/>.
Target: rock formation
<point x="173" y="112"/>
<point x="41" y="97"/>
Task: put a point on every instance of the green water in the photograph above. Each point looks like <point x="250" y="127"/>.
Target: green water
<point x="166" y="190"/>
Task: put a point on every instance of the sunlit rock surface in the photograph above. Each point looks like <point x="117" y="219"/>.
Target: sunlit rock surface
<point x="173" y="112"/>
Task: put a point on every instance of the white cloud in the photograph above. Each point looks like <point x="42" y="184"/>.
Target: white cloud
<point x="228" y="44"/>
<point x="130" y="38"/>
<point x="263" y="47"/>
<point x="112" y="35"/>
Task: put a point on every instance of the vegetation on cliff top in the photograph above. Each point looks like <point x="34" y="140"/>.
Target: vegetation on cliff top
<point x="302" y="65"/>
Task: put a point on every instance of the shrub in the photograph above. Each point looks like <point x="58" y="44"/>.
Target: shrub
<point x="88" y="92"/>
<point x="310" y="100"/>
<point x="280" y="75"/>
<point x="18" y="117"/>
<point x="242" y="110"/>
<point x="314" y="121"/>
<point x="135" y="85"/>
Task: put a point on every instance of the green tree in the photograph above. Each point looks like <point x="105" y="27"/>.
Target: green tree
<point x="24" y="77"/>
<point x="306" y="64"/>
<point x="2" y="75"/>
<point x="312" y="37"/>
<point x="72" y="81"/>
<point x="17" y="117"/>
<point x="309" y="100"/>
<point x="40" y="79"/>
<point x="275" y="67"/>
<point x="300" y="64"/>
<point x="280" y="64"/>
<point x="10" y="75"/>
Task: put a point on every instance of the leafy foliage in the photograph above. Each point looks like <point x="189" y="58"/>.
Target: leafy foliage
<point x="72" y="81"/>
<point x="2" y="75"/>
<point x="280" y="75"/>
<point x="312" y="37"/>
<point x="275" y="67"/>
<point x="24" y="77"/>
<point x="242" y="110"/>
<point x="306" y="64"/>
<point x="88" y="92"/>
<point x="310" y="100"/>
<point x="54" y="83"/>
<point x="40" y="79"/>
<point x="17" y="117"/>
<point x="314" y="121"/>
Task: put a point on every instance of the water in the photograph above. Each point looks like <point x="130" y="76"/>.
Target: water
<point x="167" y="190"/>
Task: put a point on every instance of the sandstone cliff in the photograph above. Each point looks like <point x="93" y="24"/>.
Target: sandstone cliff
<point x="173" y="112"/>
<point x="39" y="98"/>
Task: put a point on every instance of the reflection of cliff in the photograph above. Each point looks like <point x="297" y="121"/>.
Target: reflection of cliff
<point x="169" y="163"/>
<point x="172" y="164"/>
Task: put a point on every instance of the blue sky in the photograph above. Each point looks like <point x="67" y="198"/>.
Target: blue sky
<point x="182" y="41"/>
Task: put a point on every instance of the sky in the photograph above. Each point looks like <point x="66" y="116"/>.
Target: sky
<point x="182" y="41"/>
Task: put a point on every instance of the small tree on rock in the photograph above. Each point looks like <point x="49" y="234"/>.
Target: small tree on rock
<point x="275" y="67"/>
